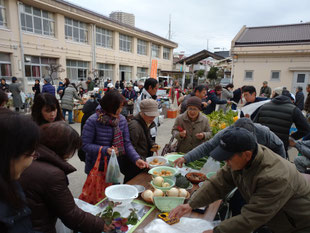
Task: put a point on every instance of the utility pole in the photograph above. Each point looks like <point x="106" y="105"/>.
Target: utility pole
<point x="169" y="33"/>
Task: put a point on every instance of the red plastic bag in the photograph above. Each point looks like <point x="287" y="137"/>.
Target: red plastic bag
<point x="95" y="184"/>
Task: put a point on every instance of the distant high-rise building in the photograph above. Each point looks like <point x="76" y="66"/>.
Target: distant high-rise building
<point x="123" y="17"/>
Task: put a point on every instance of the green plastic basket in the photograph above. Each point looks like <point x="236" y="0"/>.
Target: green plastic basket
<point x="171" y="182"/>
<point x="210" y="174"/>
<point x="166" y="204"/>
<point x="172" y="157"/>
<point x="173" y="170"/>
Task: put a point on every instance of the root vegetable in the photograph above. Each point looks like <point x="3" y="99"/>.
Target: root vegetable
<point x="166" y="184"/>
<point x="158" y="193"/>
<point x="174" y="192"/>
<point x="158" y="181"/>
<point x="182" y="193"/>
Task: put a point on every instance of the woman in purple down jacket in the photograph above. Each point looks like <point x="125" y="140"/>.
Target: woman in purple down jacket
<point x="108" y="128"/>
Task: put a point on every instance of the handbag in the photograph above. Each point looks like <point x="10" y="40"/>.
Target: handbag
<point x="168" y="148"/>
<point x="95" y="184"/>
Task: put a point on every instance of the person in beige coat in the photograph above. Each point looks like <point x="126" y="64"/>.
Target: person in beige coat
<point x="191" y="128"/>
<point x="277" y="196"/>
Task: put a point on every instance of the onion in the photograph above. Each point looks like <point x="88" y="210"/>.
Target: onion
<point x="158" y="193"/>
<point x="166" y="184"/>
<point x="182" y="193"/>
<point x="174" y="192"/>
<point x="158" y="181"/>
<point x="148" y="195"/>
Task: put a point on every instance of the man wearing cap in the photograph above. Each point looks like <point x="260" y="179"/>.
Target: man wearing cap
<point x="279" y="115"/>
<point x="191" y="128"/>
<point x="276" y="194"/>
<point x="130" y="96"/>
<point x="139" y="130"/>
<point x="48" y="87"/>
<point x="265" y="91"/>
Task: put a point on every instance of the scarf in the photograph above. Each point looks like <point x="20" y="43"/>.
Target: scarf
<point x="106" y="119"/>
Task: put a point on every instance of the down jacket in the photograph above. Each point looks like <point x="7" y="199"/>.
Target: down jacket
<point x="48" y="88"/>
<point x="45" y="184"/>
<point x="276" y="195"/>
<point x="96" y="134"/>
<point x="67" y="101"/>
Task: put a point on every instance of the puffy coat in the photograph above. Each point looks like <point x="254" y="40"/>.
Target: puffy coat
<point x="300" y="98"/>
<point x="276" y="194"/>
<point x="95" y="134"/>
<point x="15" y="88"/>
<point x="201" y="125"/>
<point x="140" y="136"/>
<point x="48" y="88"/>
<point x="12" y="221"/>
<point x="45" y="184"/>
<point x="67" y="101"/>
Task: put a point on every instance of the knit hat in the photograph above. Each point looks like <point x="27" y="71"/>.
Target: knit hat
<point x="278" y="90"/>
<point x="149" y="107"/>
<point x="48" y="79"/>
<point x="194" y="101"/>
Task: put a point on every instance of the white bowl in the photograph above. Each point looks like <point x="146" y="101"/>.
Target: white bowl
<point x="121" y="193"/>
<point x="160" y="159"/>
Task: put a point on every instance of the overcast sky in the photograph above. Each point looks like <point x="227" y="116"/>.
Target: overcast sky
<point x="197" y="24"/>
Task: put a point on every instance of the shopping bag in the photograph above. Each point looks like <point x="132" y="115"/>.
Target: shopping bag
<point x="114" y="174"/>
<point x="168" y="148"/>
<point x="95" y="184"/>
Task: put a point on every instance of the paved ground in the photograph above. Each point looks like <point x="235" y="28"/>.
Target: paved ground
<point x="77" y="179"/>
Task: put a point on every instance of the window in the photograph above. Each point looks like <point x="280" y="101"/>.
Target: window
<point x="125" y="72"/>
<point x="141" y="72"/>
<point x="37" y="21"/>
<point x="155" y="50"/>
<point x="76" y="30"/>
<point x="248" y="75"/>
<point x="5" y="65"/>
<point x="105" y="71"/>
<point x="104" y="38"/>
<point x="275" y="75"/>
<point x="301" y="78"/>
<point x="77" y="70"/>
<point x="3" y="22"/>
<point x="125" y="43"/>
<point x="166" y="54"/>
<point x="35" y="67"/>
<point x="142" y="47"/>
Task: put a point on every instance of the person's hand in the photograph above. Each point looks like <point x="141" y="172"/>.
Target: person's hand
<point x="228" y="102"/>
<point x="179" y="162"/>
<point x="108" y="228"/>
<point x="183" y="134"/>
<point x="141" y="164"/>
<point x="291" y="142"/>
<point x="208" y="231"/>
<point x="109" y="150"/>
<point x="200" y="136"/>
<point x="205" y="104"/>
<point x="180" y="211"/>
<point x="209" y="102"/>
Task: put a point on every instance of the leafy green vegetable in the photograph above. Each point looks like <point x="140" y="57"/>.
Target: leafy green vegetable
<point x="181" y="181"/>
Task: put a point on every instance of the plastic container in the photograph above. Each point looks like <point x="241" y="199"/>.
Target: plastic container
<point x="210" y="174"/>
<point x="121" y="193"/>
<point x="166" y="180"/>
<point x="160" y="159"/>
<point x="172" y="157"/>
<point x="173" y="170"/>
<point x="166" y="204"/>
<point x="172" y="113"/>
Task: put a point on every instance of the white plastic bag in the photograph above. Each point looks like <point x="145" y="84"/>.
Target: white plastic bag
<point x="114" y="174"/>
<point x="210" y="166"/>
<point x="184" y="226"/>
<point x="251" y="108"/>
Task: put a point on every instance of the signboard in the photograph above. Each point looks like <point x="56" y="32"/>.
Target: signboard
<point x="154" y="69"/>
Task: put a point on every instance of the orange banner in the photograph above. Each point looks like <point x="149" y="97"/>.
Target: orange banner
<point x="154" y="69"/>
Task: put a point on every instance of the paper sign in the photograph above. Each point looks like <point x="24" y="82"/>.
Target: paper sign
<point x="154" y="69"/>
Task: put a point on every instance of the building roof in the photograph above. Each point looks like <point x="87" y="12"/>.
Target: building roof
<point x="195" y="58"/>
<point x="275" y="35"/>
<point x="224" y="54"/>
<point x="115" y="21"/>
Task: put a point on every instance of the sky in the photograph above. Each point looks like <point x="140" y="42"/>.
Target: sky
<point x="203" y="24"/>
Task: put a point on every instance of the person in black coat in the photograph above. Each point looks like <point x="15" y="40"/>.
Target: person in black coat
<point x="299" y="98"/>
<point x="214" y="97"/>
<point x="4" y="86"/>
<point x="36" y="88"/>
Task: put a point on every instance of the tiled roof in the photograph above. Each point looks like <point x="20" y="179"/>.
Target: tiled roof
<point x="281" y="34"/>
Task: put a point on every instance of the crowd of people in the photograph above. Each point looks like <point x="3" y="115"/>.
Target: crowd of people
<point x="36" y="150"/>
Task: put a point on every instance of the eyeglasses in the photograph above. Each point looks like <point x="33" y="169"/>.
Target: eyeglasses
<point x="193" y="109"/>
<point x="34" y="155"/>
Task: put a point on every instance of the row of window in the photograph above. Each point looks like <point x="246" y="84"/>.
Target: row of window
<point x="275" y="75"/>
<point x="42" y="22"/>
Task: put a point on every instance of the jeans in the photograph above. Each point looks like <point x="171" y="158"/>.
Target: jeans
<point x="64" y="111"/>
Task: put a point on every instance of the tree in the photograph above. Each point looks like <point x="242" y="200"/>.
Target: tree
<point x="212" y="74"/>
<point x="200" y="73"/>
<point x="54" y="68"/>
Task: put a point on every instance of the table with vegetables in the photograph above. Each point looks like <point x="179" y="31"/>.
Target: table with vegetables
<point x="149" y="195"/>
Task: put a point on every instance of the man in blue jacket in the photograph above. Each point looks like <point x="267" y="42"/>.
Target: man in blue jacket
<point x="47" y="87"/>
